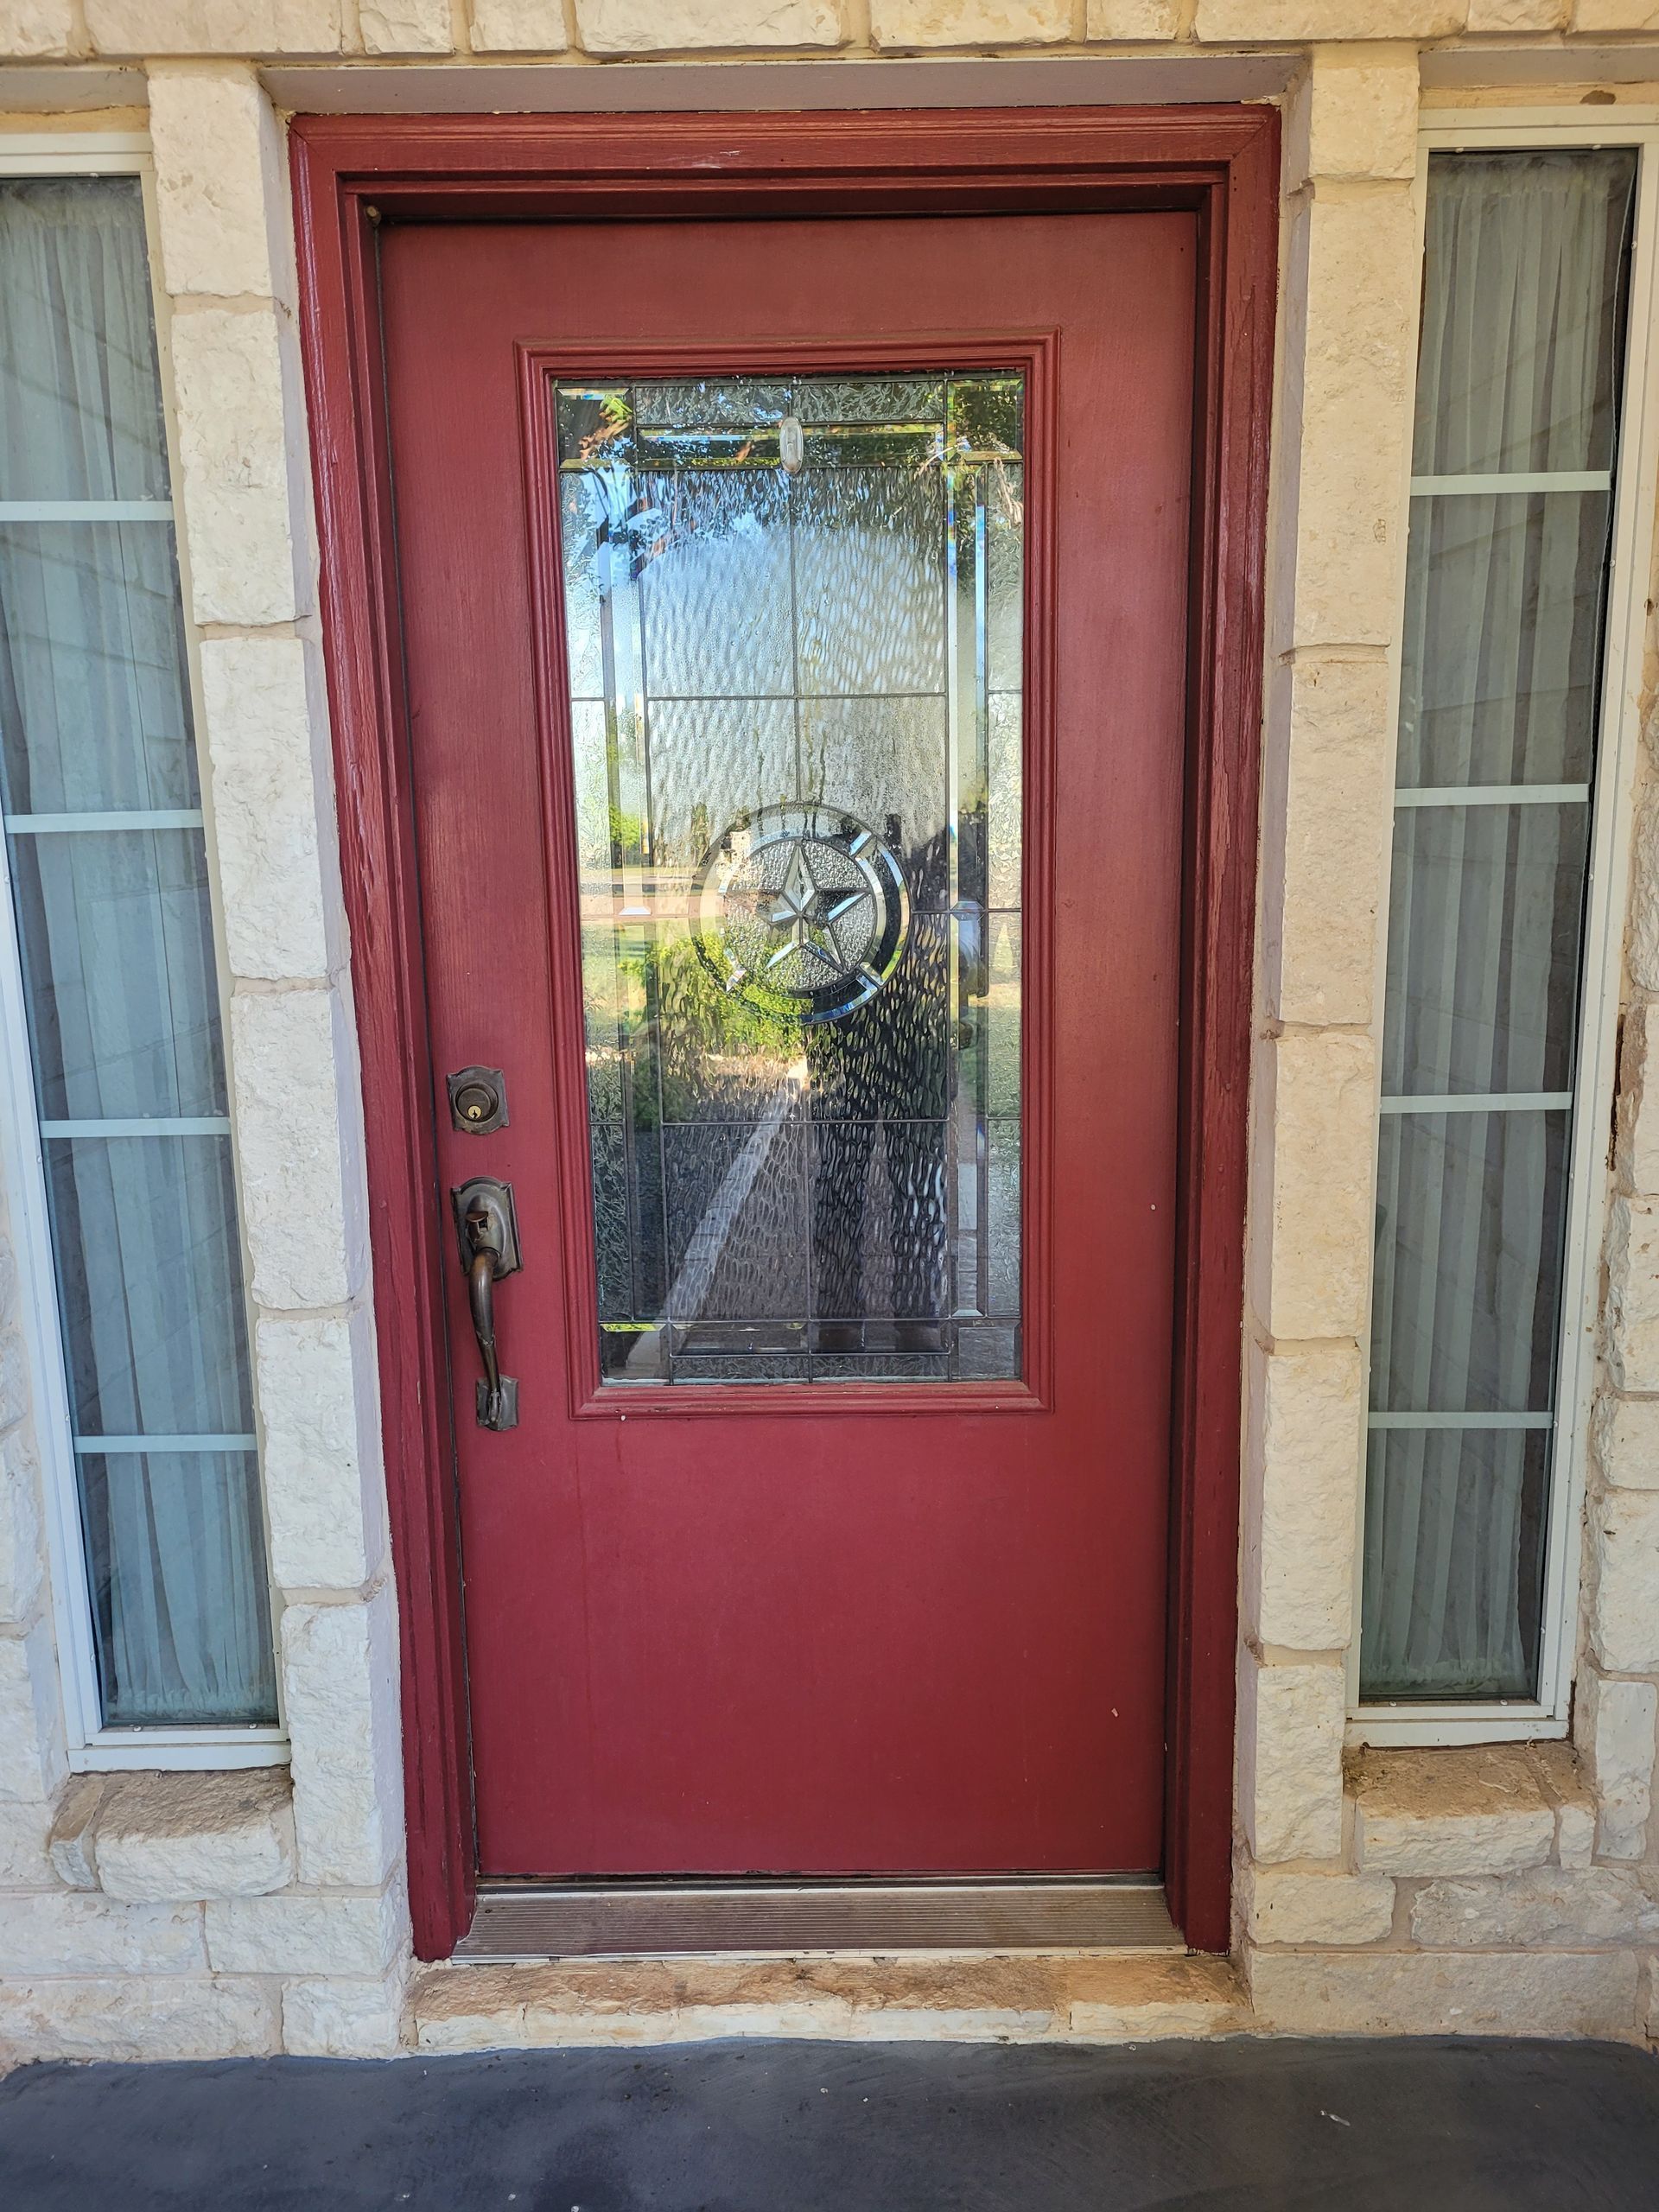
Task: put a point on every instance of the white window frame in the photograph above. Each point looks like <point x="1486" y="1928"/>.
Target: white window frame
<point x="92" y="1747"/>
<point x="1590" y="1176"/>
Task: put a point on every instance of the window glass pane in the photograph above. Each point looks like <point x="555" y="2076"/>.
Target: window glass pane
<point x="1524" y="288"/>
<point x="1484" y="924"/>
<point x="92" y="674"/>
<point x="108" y="881"/>
<point x="178" y="1578"/>
<point x="119" y="972"/>
<point x="1469" y="1210"/>
<point x="793" y="614"/>
<point x="82" y="418"/>
<point x="150" y="1284"/>
<point x="1454" y="1548"/>
<point x="1503" y="637"/>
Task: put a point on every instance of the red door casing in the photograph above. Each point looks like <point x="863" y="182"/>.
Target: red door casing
<point x="873" y="1578"/>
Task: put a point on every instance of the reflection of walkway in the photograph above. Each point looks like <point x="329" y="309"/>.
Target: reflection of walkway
<point x="691" y="1285"/>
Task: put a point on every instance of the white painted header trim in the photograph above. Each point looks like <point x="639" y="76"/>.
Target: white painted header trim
<point x="73" y="153"/>
<point x="1160" y="80"/>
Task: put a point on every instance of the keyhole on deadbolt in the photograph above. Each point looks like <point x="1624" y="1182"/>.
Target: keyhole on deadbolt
<point x="478" y="1100"/>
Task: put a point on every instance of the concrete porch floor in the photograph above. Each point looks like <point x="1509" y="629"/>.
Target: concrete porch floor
<point x="1255" y="2125"/>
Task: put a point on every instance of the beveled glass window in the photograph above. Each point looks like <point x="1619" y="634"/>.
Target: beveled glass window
<point x="794" y="614"/>
<point x="1516" y="437"/>
<point x="108" y="876"/>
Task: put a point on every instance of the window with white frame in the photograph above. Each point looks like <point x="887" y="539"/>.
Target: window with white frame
<point x="1526" y="290"/>
<point x="110" y="950"/>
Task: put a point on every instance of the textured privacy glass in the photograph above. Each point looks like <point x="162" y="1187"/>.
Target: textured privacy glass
<point x="1517" y="432"/>
<point x="109" y="885"/>
<point x="794" y="642"/>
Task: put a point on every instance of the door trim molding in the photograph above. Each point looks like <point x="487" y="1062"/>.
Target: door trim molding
<point x="1222" y="162"/>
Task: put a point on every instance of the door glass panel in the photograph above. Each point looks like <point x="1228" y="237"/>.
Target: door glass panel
<point x="793" y="615"/>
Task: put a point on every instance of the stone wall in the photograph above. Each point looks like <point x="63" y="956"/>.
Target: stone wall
<point x="273" y="1916"/>
<point x="1497" y="1887"/>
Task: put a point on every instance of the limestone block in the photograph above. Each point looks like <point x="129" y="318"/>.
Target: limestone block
<point x="670" y="26"/>
<point x="14" y="1371"/>
<point x="1575" y="1835"/>
<point x="1313" y="1111"/>
<point x="1636" y="1128"/>
<point x="1547" y="1908"/>
<point x="1302" y="1495"/>
<point x="1128" y="22"/>
<point x="1355" y="115"/>
<point x="455" y="2031"/>
<point x="25" y="1860"/>
<point x="341" y="2018"/>
<point x="1615" y="15"/>
<point x="1500" y="15"/>
<point x="517" y="27"/>
<point x="1641" y="951"/>
<point x="65" y="1931"/>
<point x="73" y="1843"/>
<point x="1624" y="1581"/>
<point x="1290" y="1729"/>
<point x="1430" y="1993"/>
<point x="281" y="29"/>
<point x="32" y="30"/>
<point x="22" y="1558"/>
<point x="1091" y="2021"/>
<point x="1616" y="1724"/>
<point x="220" y="195"/>
<point x="176" y="1836"/>
<point x="340" y="1672"/>
<point x="1281" y="1907"/>
<point x="911" y="2023"/>
<point x="33" y="1762"/>
<point x="1566" y="1780"/>
<point x="237" y="474"/>
<point x="1451" y="1811"/>
<point x="287" y="1053"/>
<point x="1352" y="275"/>
<point x="316" y="1386"/>
<point x="1241" y="22"/>
<point x="1631" y="1323"/>
<point x="136" y="2017"/>
<point x="406" y="26"/>
<point x="969" y="22"/>
<point x="1325" y="841"/>
<point x="261" y="729"/>
<point x="1624" y="1438"/>
<point x="307" y="1935"/>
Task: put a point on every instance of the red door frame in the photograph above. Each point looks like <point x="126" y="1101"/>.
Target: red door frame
<point x="349" y="171"/>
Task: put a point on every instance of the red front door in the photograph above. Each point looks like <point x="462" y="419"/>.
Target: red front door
<point x="796" y="633"/>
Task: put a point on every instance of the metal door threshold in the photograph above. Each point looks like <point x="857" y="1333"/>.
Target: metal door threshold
<point x="662" y="1920"/>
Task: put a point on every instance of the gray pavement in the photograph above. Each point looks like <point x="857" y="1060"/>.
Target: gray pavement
<point x="1247" y="2126"/>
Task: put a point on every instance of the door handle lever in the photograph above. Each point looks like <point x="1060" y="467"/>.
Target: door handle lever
<point x="488" y="1226"/>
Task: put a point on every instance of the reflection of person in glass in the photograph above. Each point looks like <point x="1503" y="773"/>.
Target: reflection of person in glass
<point x="881" y="1073"/>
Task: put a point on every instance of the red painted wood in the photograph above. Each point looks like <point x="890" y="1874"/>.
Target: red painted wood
<point x="1219" y="162"/>
<point x="366" y="705"/>
<point x="1228" y="597"/>
<point x="913" y="1635"/>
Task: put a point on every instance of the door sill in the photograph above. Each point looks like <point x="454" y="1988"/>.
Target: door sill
<point x="655" y="1920"/>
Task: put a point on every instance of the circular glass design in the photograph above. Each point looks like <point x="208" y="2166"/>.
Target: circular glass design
<point x="801" y="909"/>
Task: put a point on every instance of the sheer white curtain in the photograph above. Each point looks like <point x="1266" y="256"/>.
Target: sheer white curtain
<point x="1519" y="377"/>
<point x="109" y="878"/>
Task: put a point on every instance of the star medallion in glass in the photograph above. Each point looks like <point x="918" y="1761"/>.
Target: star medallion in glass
<point x="793" y="612"/>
